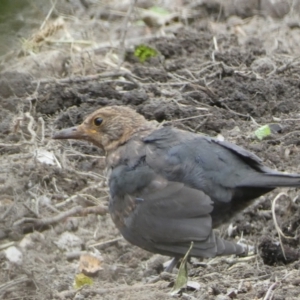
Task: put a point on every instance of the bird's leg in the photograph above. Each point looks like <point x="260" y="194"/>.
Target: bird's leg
<point x="172" y="265"/>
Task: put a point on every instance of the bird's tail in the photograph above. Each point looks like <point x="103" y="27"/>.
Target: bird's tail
<point x="216" y="246"/>
<point x="271" y="180"/>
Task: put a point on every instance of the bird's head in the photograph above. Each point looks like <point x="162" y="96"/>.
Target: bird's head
<point x="107" y="128"/>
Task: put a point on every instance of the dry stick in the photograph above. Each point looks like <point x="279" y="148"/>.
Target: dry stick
<point x="12" y="283"/>
<point x="90" y="197"/>
<point x="270" y="290"/>
<point x="48" y="15"/>
<point x="279" y="231"/>
<point x="41" y="120"/>
<point x="99" y="209"/>
<point x="291" y="120"/>
<point x="284" y="67"/>
<point x="30" y="127"/>
<point x="112" y="241"/>
<point x="284" y="136"/>
<point x="124" y="74"/>
<point x="124" y="33"/>
<point x="16" y="145"/>
<point x="7" y="245"/>
<point x="234" y="112"/>
<point x="274" y="285"/>
<point x="255" y="279"/>
<point x="189" y="118"/>
<point x="87" y="78"/>
<point x="81" y="194"/>
<point x="89" y="174"/>
<point x="73" y="152"/>
<point x="31" y="210"/>
<point x="5" y="214"/>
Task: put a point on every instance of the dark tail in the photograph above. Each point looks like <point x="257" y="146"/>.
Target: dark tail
<point x="271" y="180"/>
<point x="252" y="187"/>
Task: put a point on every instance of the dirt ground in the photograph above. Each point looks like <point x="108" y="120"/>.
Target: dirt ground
<point x="220" y="70"/>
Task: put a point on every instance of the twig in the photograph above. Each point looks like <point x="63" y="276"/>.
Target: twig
<point x="283" y="137"/>
<point x="100" y="210"/>
<point x="200" y="124"/>
<point x="73" y="152"/>
<point x="31" y="210"/>
<point x="7" y="245"/>
<point x="48" y="15"/>
<point x="189" y="118"/>
<point x="30" y="127"/>
<point x="15" y="145"/>
<point x="88" y="78"/>
<point x="124" y="33"/>
<point x="10" y="284"/>
<point x="234" y="112"/>
<point x="215" y="43"/>
<point x="93" y="199"/>
<point x="279" y="231"/>
<point x="70" y="41"/>
<point x="213" y="64"/>
<point x="106" y="242"/>
<point x="41" y="120"/>
<point x="90" y="174"/>
<point x="270" y="290"/>
<point x="5" y="214"/>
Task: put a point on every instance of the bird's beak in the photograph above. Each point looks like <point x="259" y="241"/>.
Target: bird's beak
<point x="76" y="133"/>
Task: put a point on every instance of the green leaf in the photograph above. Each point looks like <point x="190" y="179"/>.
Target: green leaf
<point x="81" y="280"/>
<point x="182" y="277"/>
<point x="262" y="132"/>
<point x="159" y="10"/>
<point x="143" y="52"/>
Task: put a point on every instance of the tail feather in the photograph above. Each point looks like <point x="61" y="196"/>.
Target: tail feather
<point x="271" y="180"/>
<point x="213" y="246"/>
<point x="216" y="246"/>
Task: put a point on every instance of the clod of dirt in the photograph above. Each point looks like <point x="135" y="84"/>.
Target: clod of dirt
<point x="69" y="242"/>
<point x="263" y="65"/>
<point x="271" y="253"/>
<point x="15" y="84"/>
<point x="14" y="255"/>
<point x="156" y="74"/>
<point x="135" y="97"/>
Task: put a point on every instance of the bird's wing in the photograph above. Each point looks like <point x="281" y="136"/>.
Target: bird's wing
<point x="164" y="216"/>
<point x="207" y="152"/>
<point x="222" y="170"/>
<point x="249" y="158"/>
<point x="196" y="161"/>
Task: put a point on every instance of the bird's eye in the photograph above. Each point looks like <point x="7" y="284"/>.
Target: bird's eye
<point x="98" y="121"/>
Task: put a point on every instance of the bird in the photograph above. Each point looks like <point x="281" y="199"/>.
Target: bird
<point x="170" y="187"/>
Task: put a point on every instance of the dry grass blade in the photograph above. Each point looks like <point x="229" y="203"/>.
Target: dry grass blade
<point x="278" y="229"/>
<point x="99" y="210"/>
<point x="12" y="283"/>
<point x="268" y="295"/>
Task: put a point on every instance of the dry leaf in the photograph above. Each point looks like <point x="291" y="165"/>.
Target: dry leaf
<point x="90" y="264"/>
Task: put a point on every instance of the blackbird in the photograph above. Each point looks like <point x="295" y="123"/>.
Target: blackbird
<point x="169" y="187"/>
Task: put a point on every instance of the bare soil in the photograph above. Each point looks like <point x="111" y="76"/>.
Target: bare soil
<point x="215" y="74"/>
